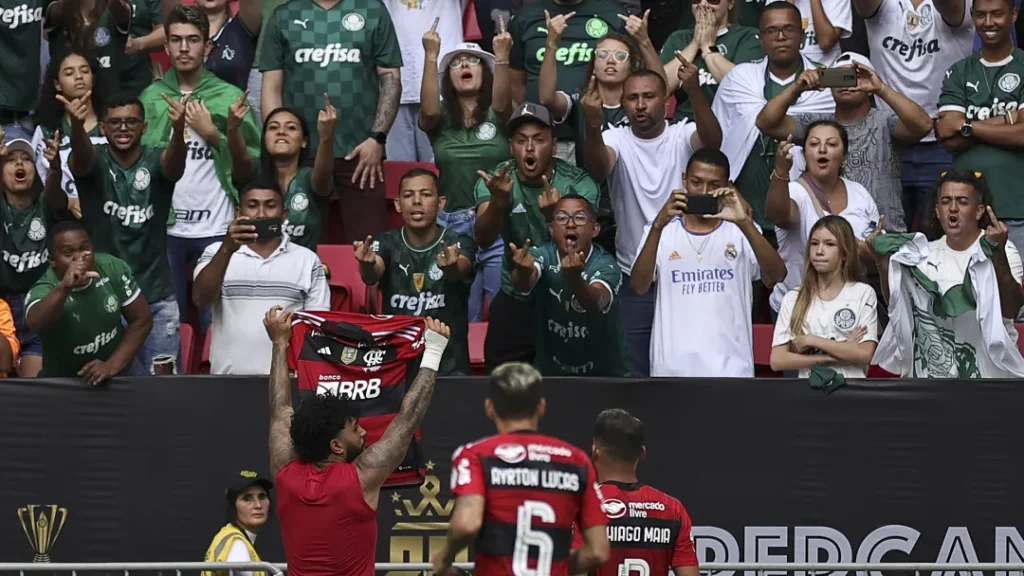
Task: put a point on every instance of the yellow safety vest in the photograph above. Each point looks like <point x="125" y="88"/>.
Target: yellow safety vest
<point x="221" y="545"/>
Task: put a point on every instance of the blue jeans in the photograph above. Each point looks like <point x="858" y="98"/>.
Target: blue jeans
<point x="181" y="254"/>
<point x="488" y="262"/>
<point x="923" y="164"/>
<point x="406" y="142"/>
<point x="638" y="319"/>
<point x="163" y="345"/>
<point x="31" y="345"/>
<point x="24" y="129"/>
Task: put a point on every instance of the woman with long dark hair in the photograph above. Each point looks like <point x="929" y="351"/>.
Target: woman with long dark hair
<point x="247" y="510"/>
<point x="795" y="207"/>
<point x="467" y="132"/>
<point x="832" y="317"/>
<point x="96" y="28"/>
<point x="283" y="159"/>
<point x="73" y="76"/>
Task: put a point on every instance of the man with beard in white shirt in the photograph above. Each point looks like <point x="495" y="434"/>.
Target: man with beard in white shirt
<point x="913" y="43"/>
<point x="643" y="162"/>
<point x="705" y="265"/>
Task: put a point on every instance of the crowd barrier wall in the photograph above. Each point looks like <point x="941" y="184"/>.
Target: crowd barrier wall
<point x="770" y="470"/>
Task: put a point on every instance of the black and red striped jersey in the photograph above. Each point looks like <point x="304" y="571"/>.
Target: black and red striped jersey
<point x="649" y="531"/>
<point x="535" y="488"/>
<point x="366" y="359"/>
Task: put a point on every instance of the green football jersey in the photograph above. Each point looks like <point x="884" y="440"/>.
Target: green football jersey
<point x="982" y="90"/>
<point x="524" y="219"/>
<point x="21" y="27"/>
<point x="593" y="20"/>
<point x="756" y="175"/>
<point x="136" y="70"/>
<point x="126" y="210"/>
<point x="737" y="43"/>
<point x="413" y="285"/>
<point x="89" y="326"/>
<point x="23" y="244"/>
<point x="305" y="210"/>
<point x="109" y="42"/>
<point x="267" y="8"/>
<point x="460" y="152"/>
<point x="336" y="52"/>
<point x="570" y="341"/>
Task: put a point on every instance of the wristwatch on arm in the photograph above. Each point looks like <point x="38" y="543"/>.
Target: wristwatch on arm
<point x="967" y="128"/>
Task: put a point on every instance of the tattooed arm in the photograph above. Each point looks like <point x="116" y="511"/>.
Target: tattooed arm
<point x="279" y="327"/>
<point x="389" y="82"/>
<point x="378" y="461"/>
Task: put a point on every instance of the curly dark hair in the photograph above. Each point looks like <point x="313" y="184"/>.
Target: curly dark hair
<point x="930" y="225"/>
<point x="450" y="98"/>
<point x="317" y="421"/>
<point x="50" y="111"/>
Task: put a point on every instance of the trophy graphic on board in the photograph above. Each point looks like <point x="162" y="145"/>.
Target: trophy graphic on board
<point x="422" y="524"/>
<point x="42" y="525"/>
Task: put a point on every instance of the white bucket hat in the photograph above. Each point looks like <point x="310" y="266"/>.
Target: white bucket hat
<point x="467" y="48"/>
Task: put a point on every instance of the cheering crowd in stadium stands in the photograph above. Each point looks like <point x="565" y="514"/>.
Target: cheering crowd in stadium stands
<point x="600" y="202"/>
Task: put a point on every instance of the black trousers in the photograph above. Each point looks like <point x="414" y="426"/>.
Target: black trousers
<point x="510" y="333"/>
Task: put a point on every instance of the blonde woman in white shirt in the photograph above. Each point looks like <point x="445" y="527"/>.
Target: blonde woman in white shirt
<point x="830" y="319"/>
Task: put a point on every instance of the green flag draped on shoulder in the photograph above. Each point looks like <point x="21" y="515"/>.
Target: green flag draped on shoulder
<point x="218" y="96"/>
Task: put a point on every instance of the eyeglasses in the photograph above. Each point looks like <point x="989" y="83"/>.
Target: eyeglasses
<point x="579" y="218"/>
<point x="711" y="2"/>
<point x="617" y="55"/>
<point x="977" y="175"/>
<point x="115" y="123"/>
<point x="457" y="62"/>
<point x="788" y="31"/>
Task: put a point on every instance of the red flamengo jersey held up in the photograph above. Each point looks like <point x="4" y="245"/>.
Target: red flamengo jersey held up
<point x="649" y="531"/>
<point x="535" y="488"/>
<point x="327" y="527"/>
<point x="366" y="359"/>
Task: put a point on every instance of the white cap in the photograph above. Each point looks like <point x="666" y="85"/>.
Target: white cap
<point x="846" y="60"/>
<point x="467" y="48"/>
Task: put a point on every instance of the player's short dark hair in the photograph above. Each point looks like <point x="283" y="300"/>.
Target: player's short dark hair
<point x="318" y="420"/>
<point x="648" y="73"/>
<point x="931" y="227"/>
<point x="620" y="434"/>
<point x="515" y="390"/>
<point x="120" y="101"/>
<point x="260" y="182"/>
<point x="186" y="14"/>
<point x="768" y="8"/>
<point x="575" y="196"/>
<point x="711" y="157"/>
<point x="844" y="136"/>
<point x="416" y="173"/>
<point x="60" y="227"/>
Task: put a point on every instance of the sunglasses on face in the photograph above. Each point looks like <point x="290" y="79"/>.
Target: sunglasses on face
<point x="457" y="62"/>
<point x="617" y="55"/>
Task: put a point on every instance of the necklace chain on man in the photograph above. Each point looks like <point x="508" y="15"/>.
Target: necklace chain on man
<point x="703" y="246"/>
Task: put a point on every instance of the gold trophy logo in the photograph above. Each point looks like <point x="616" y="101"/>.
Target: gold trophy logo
<point x="417" y="540"/>
<point x="42" y="525"/>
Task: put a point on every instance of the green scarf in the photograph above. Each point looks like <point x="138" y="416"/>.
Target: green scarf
<point x="218" y="96"/>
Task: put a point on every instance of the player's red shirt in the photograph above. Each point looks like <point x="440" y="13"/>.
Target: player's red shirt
<point x="535" y="487"/>
<point x="649" y="531"/>
<point x="327" y="527"/>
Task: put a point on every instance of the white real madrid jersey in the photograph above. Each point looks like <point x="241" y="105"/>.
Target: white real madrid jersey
<point x="702" y="320"/>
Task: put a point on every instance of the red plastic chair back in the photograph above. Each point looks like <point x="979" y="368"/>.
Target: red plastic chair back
<point x="188" y="348"/>
<point x="477" y="335"/>
<point x="348" y="292"/>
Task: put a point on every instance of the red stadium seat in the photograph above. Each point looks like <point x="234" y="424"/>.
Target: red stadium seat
<point x="348" y="292"/>
<point x="763" y="334"/>
<point x="188" y="348"/>
<point x="477" y="335"/>
<point x="470" y="26"/>
<point x="1020" y="337"/>
<point x="393" y="172"/>
<point x="204" y="364"/>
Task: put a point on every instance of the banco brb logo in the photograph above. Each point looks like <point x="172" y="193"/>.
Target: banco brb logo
<point x="42" y="525"/>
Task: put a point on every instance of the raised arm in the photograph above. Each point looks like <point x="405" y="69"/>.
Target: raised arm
<point x="524" y="272"/>
<point x="490" y="214"/>
<point x="642" y="275"/>
<point x="54" y="195"/>
<point x="709" y="131"/>
<point x="556" y="102"/>
<point x="1011" y="293"/>
<point x="272" y="96"/>
<point x="780" y="208"/>
<point x="637" y="28"/>
<point x="371" y="265"/>
<point x="599" y="158"/>
<point x="501" y="88"/>
<point x="453" y="263"/>
<point x="173" y="158"/>
<point x="83" y="155"/>
<point x="323" y="164"/>
<point x="213" y="264"/>
<point x="913" y="123"/>
<point x="772" y="119"/>
<point x="43" y="312"/>
<point x="378" y="461"/>
<point x="278" y="323"/>
<point x="773" y="269"/>
<point x="430" y="84"/>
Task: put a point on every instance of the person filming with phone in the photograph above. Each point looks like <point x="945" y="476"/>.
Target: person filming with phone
<point x="705" y="252"/>
<point x="254" y="267"/>
<point x="874" y="131"/>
